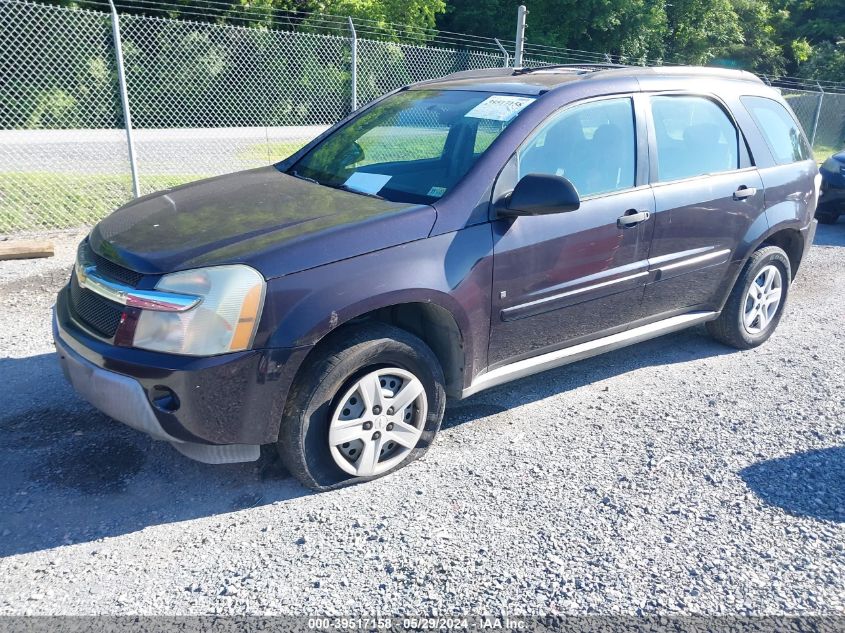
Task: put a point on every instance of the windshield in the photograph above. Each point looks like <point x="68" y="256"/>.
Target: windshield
<point x="413" y="146"/>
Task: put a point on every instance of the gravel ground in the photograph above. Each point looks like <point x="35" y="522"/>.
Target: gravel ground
<point x="676" y="476"/>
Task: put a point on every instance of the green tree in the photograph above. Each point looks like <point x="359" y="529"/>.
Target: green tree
<point x="418" y="16"/>
<point x="827" y="61"/>
<point x="771" y="36"/>
<point x="759" y="48"/>
<point x="813" y="32"/>
<point x="816" y="20"/>
<point x="698" y="29"/>
<point x="633" y="28"/>
<point x="414" y="13"/>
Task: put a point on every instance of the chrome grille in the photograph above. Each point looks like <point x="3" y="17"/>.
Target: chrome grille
<point x="99" y="314"/>
<point x="108" y="268"/>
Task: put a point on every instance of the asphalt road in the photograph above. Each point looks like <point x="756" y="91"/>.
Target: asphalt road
<point x="676" y="476"/>
<point x="172" y="151"/>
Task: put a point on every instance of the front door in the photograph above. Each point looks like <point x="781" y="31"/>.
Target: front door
<point x="564" y="278"/>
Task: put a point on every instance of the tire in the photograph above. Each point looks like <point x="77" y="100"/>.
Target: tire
<point x="350" y="368"/>
<point x="732" y="328"/>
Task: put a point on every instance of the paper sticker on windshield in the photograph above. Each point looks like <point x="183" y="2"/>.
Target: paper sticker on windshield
<point x="437" y="192"/>
<point x="499" y="107"/>
<point x="366" y="183"/>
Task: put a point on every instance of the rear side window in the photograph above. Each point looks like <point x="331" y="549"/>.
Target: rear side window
<point x="694" y="137"/>
<point x="779" y="129"/>
<point x="593" y="145"/>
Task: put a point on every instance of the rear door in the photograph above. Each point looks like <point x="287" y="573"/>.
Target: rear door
<point x="790" y="174"/>
<point x="707" y="195"/>
<point x="566" y="277"/>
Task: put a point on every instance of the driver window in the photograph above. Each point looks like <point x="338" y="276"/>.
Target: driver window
<point x="593" y="145"/>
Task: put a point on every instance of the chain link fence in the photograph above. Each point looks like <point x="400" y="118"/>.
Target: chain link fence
<point x="63" y="158"/>
<point x="822" y="115"/>
<point x="205" y="99"/>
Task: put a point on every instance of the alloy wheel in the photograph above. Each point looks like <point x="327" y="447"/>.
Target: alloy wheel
<point x="762" y="299"/>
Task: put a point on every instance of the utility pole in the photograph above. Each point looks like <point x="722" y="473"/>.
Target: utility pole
<point x="521" y="12"/>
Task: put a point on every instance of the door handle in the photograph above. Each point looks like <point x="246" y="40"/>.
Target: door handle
<point x="632" y="217"/>
<point x="744" y="192"/>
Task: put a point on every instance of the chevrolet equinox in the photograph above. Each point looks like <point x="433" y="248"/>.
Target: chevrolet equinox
<point x="452" y="236"/>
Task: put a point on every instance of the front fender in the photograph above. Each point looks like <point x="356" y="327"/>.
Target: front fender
<point x="453" y="271"/>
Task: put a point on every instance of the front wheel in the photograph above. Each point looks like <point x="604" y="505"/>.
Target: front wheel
<point x="756" y="303"/>
<point x="369" y="402"/>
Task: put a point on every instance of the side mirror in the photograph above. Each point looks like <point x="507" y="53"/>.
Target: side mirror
<point x="541" y="194"/>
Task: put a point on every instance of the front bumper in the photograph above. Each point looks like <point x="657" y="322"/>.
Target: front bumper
<point x="831" y="196"/>
<point x="224" y="408"/>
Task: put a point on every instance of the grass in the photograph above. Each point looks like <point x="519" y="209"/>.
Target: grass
<point x="379" y="145"/>
<point x="43" y="200"/>
<point x="823" y="152"/>
<point x="270" y="152"/>
<point x="46" y="200"/>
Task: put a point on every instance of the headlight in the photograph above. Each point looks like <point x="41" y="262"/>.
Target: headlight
<point x="225" y="319"/>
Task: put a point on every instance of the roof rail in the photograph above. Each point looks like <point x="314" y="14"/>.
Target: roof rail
<point x="690" y="71"/>
<point x="583" y="68"/>
<point x="696" y="71"/>
<point x="601" y="71"/>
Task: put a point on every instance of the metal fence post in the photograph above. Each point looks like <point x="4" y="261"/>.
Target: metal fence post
<point x="353" y="75"/>
<point x="519" y="49"/>
<point x="816" y="116"/>
<point x="504" y="52"/>
<point x="124" y="99"/>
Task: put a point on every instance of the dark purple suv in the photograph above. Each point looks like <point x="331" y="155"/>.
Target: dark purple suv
<point x="453" y="236"/>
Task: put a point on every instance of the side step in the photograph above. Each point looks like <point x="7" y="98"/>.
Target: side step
<point x="560" y="357"/>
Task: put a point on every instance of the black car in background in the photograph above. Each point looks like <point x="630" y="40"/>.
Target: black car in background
<point x="832" y="200"/>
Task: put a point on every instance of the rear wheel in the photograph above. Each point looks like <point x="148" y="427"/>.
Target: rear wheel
<point x="756" y="302"/>
<point x="369" y="402"/>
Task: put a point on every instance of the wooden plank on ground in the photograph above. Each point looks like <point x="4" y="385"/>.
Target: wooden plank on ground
<point x="25" y="249"/>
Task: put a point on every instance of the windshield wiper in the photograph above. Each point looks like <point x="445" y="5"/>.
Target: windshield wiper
<point x="358" y="191"/>
<point x="342" y="187"/>
<point x="301" y="177"/>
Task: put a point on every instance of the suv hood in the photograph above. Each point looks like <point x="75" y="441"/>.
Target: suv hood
<point x="276" y="223"/>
